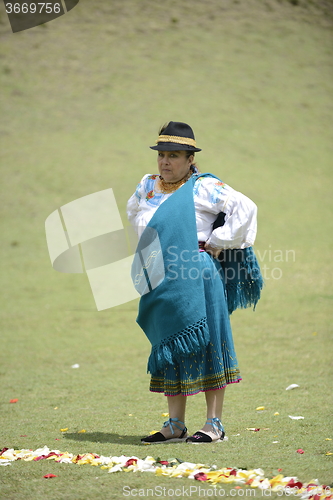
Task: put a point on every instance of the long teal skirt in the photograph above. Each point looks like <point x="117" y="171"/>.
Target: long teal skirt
<point x="216" y="366"/>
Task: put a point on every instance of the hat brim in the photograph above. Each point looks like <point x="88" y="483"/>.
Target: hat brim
<point x="173" y="146"/>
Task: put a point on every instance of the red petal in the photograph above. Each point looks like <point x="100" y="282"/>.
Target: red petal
<point x="233" y="472"/>
<point x="130" y="461"/>
<point x="3" y="450"/>
<point x="300" y="451"/>
<point x="256" y="430"/>
<point x="163" y="462"/>
<point x="294" y="484"/>
<point x="13" y="401"/>
<point x="201" y="476"/>
<point x="49" y="476"/>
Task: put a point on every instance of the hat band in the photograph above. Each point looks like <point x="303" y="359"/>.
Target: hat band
<point x="176" y="139"/>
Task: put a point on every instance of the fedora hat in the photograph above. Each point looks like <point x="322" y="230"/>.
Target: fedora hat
<point x="176" y="136"/>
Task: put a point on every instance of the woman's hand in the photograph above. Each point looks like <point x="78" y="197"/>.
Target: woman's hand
<point x="213" y="251"/>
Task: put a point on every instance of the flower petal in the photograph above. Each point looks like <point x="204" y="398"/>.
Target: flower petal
<point x="291" y="386"/>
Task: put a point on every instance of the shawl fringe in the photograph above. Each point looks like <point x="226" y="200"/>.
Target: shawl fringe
<point x="245" y="291"/>
<point x="189" y="341"/>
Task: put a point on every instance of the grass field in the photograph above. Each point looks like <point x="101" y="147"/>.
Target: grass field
<point x="82" y="98"/>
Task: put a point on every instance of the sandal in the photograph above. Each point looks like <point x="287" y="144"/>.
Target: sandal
<point x="158" y="437"/>
<point x="201" y="437"/>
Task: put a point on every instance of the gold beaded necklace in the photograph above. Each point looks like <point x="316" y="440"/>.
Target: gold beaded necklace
<point x="170" y="187"/>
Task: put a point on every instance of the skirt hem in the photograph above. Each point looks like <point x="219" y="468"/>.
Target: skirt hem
<point x="197" y="392"/>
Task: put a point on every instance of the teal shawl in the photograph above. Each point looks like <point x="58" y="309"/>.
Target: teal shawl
<point x="167" y="273"/>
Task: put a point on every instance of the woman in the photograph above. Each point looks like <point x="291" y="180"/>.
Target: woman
<point x="185" y="314"/>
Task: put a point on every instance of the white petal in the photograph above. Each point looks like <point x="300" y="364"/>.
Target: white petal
<point x="291" y="386"/>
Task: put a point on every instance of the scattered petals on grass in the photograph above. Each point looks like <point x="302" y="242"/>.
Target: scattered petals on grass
<point x="13" y="400"/>
<point x="175" y="468"/>
<point x="296" y="418"/>
<point x="300" y="451"/>
<point x="291" y="386"/>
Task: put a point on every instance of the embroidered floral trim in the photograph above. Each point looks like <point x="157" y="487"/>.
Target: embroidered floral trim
<point x="150" y="195"/>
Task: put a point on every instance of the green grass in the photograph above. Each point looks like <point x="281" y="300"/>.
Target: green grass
<point x="81" y="100"/>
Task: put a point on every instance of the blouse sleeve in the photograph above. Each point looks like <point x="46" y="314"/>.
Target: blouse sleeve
<point x="133" y="204"/>
<point x="240" y="226"/>
<point x="134" y="201"/>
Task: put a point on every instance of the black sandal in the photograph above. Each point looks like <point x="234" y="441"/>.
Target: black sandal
<point x="201" y="437"/>
<point x="158" y="437"/>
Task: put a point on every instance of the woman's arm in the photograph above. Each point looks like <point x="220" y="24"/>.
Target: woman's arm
<point x="240" y="225"/>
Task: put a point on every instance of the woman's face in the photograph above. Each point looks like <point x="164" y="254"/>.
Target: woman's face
<point x="173" y="165"/>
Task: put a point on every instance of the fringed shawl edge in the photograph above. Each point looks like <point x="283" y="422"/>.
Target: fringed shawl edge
<point x="189" y="341"/>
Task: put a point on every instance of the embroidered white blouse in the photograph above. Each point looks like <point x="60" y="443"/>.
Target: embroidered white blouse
<point x="211" y="197"/>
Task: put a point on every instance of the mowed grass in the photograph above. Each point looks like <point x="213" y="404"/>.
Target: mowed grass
<point x="81" y="100"/>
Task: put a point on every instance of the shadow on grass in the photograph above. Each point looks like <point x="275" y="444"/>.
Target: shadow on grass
<point x="103" y="437"/>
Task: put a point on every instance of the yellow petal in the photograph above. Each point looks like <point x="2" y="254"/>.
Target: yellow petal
<point x="165" y="415"/>
<point x="328" y="439"/>
<point x="276" y="480"/>
<point x="260" y="408"/>
<point x="153" y="432"/>
<point x="82" y="431"/>
<point x="276" y="413"/>
<point x="64" y="430"/>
